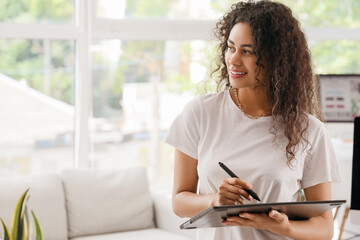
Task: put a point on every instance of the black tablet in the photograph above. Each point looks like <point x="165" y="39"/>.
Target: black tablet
<point x="213" y="216"/>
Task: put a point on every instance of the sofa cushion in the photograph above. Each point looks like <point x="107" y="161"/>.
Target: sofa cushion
<point x="165" y="218"/>
<point x="148" y="234"/>
<point x="100" y="202"/>
<point x="46" y="199"/>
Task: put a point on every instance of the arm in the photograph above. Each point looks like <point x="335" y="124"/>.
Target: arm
<point x="185" y="200"/>
<point x="320" y="227"/>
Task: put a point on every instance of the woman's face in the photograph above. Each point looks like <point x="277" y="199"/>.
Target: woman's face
<point x="240" y="58"/>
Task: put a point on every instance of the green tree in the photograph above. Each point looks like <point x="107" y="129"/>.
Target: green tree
<point x="36" y="10"/>
<point x="336" y="57"/>
<point x="146" y="8"/>
<point x="330" y="13"/>
<point x="24" y="59"/>
<point x="138" y="61"/>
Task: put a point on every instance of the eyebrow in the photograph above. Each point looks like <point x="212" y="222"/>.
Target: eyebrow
<point x="242" y="45"/>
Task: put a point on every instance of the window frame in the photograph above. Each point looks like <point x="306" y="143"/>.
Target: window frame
<point x="88" y="27"/>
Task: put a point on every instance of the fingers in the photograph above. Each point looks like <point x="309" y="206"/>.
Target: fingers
<point x="229" y="198"/>
<point x="244" y="219"/>
<point x="226" y="196"/>
<point x="238" y="186"/>
<point x="225" y="186"/>
<point x="239" y="182"/>
<point x="228" y="201"/>
<point x="231" y="191"/>
<point x="274" y="221"/>
<point x="245" y="194"/>
<point x="277" y="216"/>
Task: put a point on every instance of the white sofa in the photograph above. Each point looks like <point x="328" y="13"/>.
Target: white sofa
<point x="84" y="204"/>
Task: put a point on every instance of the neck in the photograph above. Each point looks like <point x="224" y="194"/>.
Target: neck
<point x="254" y="102"/>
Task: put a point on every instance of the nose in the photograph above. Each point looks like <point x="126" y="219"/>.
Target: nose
<point x="235" y="59"/>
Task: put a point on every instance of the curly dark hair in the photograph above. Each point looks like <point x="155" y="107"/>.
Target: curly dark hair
<point x="280" y="44"/>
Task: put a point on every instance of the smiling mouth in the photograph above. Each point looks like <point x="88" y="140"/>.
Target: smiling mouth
<point x="235" y="74"/>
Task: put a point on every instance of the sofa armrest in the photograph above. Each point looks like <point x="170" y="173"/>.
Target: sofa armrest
<point x="165" y="218"/>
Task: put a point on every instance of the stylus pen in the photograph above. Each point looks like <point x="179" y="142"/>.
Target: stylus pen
<point x="250" y="192"/>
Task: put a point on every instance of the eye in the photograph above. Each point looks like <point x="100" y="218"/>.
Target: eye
<point x="247" y="51"/>
<point x="229" y="48"/>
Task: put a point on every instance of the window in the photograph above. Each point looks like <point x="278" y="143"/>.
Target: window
<point x="37" y="80"/>
<point x="139" y="87"/>
<point x="166" y="9"/>
<point x="39" y="11"/>
<point x="97" y="83"/>
<point x="334" y="13"/>
<point x="336" y="56"/>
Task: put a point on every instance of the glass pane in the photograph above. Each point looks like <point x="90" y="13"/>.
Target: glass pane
<point x="37" y="80"/>
<point x="172" y="9"/>
<point x="139" y="88"/>
<point x="329" y="13"/>
<point x="35" y="11"/>
<point x="336" y="57"/>
<point x="335" y="13"/>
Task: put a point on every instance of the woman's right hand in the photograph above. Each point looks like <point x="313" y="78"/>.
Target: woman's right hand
<point x="231" y="192"/>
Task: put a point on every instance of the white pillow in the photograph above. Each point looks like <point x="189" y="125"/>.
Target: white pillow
<point x="101" y="202"/>
<point x="46" y="200"/>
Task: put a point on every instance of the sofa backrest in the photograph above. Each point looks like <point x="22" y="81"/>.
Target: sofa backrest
<point x="46" y="200"/>
<point x="100" y="202"/>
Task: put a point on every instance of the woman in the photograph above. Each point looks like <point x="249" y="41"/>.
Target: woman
<point x="264" y="126"/>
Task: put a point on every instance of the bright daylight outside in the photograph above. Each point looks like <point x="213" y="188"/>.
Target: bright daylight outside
<point x="138" y="86"/>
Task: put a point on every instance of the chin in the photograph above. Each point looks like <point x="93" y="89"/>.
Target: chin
<point x="235" y="84"/>
<point x="242" y="83"/>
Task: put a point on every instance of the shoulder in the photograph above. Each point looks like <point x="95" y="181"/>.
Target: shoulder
<point x="206" y="101"/>
<point x="316" y="129"/>
<point x="315" y="124"/>
<point x="211" y="97"/>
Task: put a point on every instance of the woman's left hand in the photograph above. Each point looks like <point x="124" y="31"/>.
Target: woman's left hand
<point x="274" y="221"/>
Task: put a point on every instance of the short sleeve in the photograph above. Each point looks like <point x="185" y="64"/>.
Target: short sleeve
<point x="184" y="131"/>
<point x="322" y="166"/>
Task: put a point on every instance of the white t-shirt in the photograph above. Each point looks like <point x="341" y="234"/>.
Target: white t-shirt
<point x="213" y="129"/>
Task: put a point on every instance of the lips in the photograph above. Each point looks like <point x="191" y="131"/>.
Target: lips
<point x="237" y="74"/>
